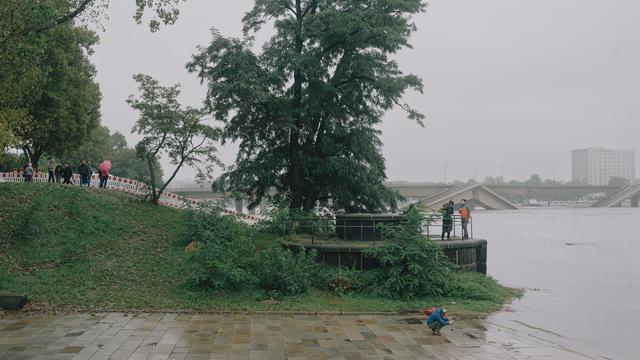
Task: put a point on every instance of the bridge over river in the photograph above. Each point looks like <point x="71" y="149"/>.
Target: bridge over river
<point x="489" y="196"/>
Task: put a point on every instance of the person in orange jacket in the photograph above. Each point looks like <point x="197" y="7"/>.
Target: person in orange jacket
<point x="465" y="215"/>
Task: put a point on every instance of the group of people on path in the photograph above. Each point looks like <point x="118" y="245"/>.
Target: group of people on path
<point x="63" y="173"/>
<point x="447" y="218"/>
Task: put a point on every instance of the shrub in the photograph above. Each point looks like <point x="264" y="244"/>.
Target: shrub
<point x="410" y="264"/>
<point x="285" y="273"/>
<point x="474" y="286"/>
<point x="347" y="281"/>
<point x="224" y="255"/>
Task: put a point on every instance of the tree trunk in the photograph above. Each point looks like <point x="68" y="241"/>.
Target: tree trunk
<point x="295" y="162"/>
<point x="35" y="157"/>
<point x="26" y="149"/>
<point x="154" y="196"/>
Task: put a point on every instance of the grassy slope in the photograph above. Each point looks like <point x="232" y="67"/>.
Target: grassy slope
<point x="74" y="247"/>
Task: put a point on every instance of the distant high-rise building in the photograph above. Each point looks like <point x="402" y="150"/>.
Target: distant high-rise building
<point x="596" y="166"/>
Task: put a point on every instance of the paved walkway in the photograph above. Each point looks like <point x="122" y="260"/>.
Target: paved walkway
<point x="178" y="336"/>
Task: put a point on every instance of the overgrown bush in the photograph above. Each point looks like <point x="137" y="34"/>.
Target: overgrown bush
<point x="223" y="256"/>
<point x="285" y="273"/>
<point x="410" y="265"/>
<point x="474" y="286"/>
<point x="345" y="281"/>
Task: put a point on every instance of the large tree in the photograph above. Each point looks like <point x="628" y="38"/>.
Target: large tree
<point x="304" y="110"/>
<point x="167" y="128"/>
<point x="65" y="107"/>
<point x="29" y="32"/>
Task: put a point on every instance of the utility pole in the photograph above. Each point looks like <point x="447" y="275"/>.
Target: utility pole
<point x="502" y="173"/>
<point x="444" y="168"/>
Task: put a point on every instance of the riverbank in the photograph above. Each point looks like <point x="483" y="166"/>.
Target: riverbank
<point x="77" y="249"/>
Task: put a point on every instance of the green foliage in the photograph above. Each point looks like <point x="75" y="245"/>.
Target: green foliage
<point x="284" y="273"/>
<point x="305" y="110"/>
<point x="63" y="107"/>
<point x="226" y="258"/>
<point x="410" y="264"/>
<point x="280" y="218"/>
<point x="224" y="254"/>
<point x="474" y="286"/>
<point x="104" y="145"/>
<point x="344" y="281"/>
<point x="167" y="128"/>
<point x="104" y="250"/>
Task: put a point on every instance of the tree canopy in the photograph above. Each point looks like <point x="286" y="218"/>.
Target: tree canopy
<point x="65" y="109"/>
<point x="42" y="42"/>
<point x="168" y="128"/>
<point x="304" y="110"/>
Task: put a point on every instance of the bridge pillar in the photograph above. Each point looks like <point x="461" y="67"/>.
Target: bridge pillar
<point x="635" y="201"/>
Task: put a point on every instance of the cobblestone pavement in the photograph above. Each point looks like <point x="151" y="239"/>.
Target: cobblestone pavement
<point x="178" y="336"/>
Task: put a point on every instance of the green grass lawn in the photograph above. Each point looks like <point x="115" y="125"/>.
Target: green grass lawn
<point x="72" y="247"/>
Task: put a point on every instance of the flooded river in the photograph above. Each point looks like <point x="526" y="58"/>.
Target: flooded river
<point x="581" y="272"/>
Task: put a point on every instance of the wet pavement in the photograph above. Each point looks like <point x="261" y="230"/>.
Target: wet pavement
<point x="203" y="336"/>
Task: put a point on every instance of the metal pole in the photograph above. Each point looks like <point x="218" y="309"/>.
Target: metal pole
<point x="444" y="167"/>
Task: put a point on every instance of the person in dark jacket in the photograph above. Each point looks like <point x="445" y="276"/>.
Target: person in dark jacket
<point x="58" y="172"/>
<point x="437" y="320"/>
<point x="447" y="219"/>
<point x="85" y="173"/>
<point x="67" y="174"/>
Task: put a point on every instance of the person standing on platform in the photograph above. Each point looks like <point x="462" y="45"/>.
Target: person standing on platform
<point x="447" y="219"/>
<point x="465" y="215"/>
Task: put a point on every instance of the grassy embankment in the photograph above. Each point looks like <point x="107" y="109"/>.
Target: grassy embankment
<point x="76" y="248"/>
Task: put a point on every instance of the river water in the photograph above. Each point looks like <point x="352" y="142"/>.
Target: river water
<point x="581" y="272"/>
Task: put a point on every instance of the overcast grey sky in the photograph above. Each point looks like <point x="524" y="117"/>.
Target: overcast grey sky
<point x="509" y="84"/>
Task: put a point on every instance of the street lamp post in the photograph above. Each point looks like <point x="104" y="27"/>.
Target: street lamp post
<point x="444" y="168"/>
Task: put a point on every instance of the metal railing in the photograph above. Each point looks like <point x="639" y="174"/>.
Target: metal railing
<point x="369" y="230"/>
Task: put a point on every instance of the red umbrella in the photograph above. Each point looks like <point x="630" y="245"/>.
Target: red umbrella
<point x="105" y="166"/>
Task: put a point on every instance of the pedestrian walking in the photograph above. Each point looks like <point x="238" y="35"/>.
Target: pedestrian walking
<point x="85" y="173"/>
<point x="51" y="168"/>
<point x="67" y="173"/>
<point x="447" y="219"/>
<point x="465" y="215"/>
<point x="28" y="173"/>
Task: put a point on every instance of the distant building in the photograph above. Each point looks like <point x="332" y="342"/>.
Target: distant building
<point x="596" y="166"/>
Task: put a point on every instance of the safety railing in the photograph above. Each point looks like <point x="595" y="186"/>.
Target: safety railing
<point x="373" y="230"/>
